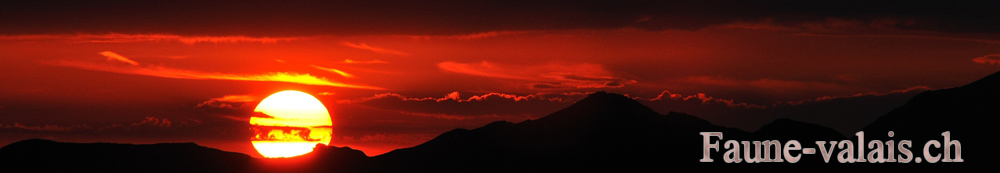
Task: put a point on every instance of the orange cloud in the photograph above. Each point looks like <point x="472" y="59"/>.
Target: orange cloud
<point x="152" y="121"/>
<point x="158" y="71"/>
<point x="364" y="46"/>
<point x="224" y="101"/>
<point x="483" y="35"/>
<point x="702" y="97"/>
<point x="549" y="76"/>
<point x="114" y="56"/>
<point x="45" y="127"/>
<point x="341" y="73"/>
<point x="148" y="121"/>
<point x="349" y="61"/>
<point x="474" y="36"/>
<point x="128" y="38"/>
<point x="993" y="59"/>
<point x="456" y="96"/>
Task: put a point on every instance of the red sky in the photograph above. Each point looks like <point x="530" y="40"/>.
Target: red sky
<point x="399" y="74"/>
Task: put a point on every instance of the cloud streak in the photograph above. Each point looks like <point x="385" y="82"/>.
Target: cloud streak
<point x="146" y="122"/>
<point x="116" y="57"/>
<point x="152" y="121"/>
<point x="165" y="72"/>
<point x="332" y="70"/>
<point x="548" y="76"/>
<point x="705" y="99"/>
<point x="131" y="38"/>
<point x="379" y="50"/>
<point x="991" y="59"/>
<point x="456" y="96"/>
<point x="349" y="61"/>
<point x="225" y="101"/>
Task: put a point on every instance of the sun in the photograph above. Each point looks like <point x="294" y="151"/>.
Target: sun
<point x="289" y="123"/>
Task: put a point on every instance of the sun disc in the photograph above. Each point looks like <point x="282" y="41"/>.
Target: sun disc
<point x="290" y="123"/>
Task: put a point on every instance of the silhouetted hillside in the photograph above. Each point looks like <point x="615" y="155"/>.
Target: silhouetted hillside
<point x="787" y="129"/>
<point x="601" y="132"/>
<point x="966" y="111"/>
<point x="322" y="159"/>
<point x="784" y="130"/>
<point x="38" y="155"/>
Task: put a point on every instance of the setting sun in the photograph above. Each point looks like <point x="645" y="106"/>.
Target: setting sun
<point x="290" y="123"/>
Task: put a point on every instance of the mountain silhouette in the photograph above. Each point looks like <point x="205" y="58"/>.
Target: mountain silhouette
<point x="785" y="130"/>
<point x="965" y="112"/>
<point x="38" y="155"/>
<point x="602" y="132"/>
<point x="322" y="159"/>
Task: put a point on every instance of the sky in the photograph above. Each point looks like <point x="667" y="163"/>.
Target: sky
<point x="394" y="74"/>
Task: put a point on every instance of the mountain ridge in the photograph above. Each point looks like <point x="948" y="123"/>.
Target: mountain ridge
<point x="611" y="132"/>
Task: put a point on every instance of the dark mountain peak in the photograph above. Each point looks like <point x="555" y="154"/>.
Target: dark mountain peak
<point x="604" y="98"/>
<point x="602" y="106"/>
<point x="581" y="137"/>
<point x="337" y="152"/>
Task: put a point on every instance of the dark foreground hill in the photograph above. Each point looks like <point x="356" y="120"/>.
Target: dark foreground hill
<point x="37" y="155"/>
<point x="603" y="132"/>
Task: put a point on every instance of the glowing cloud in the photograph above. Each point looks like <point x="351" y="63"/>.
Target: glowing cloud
<point x="153" y="121"/>
<point x="993" y="59"/>
<point x="224" y="101"/>
<point x="158" y="71"/>
<point x="705" y="99"/>
<point x="349" y="61"/>
<point x="128" y="38"/>
<point x="457" y="97"/>
<point x="341" y="73"/>
<point x="147" y="122"/>
<point x="364" y="46"/>
<point x="116" y="57"/>
<point x="483" y="35"/>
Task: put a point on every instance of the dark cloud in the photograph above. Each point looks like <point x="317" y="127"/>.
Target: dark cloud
<point x="453" y="17"/>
